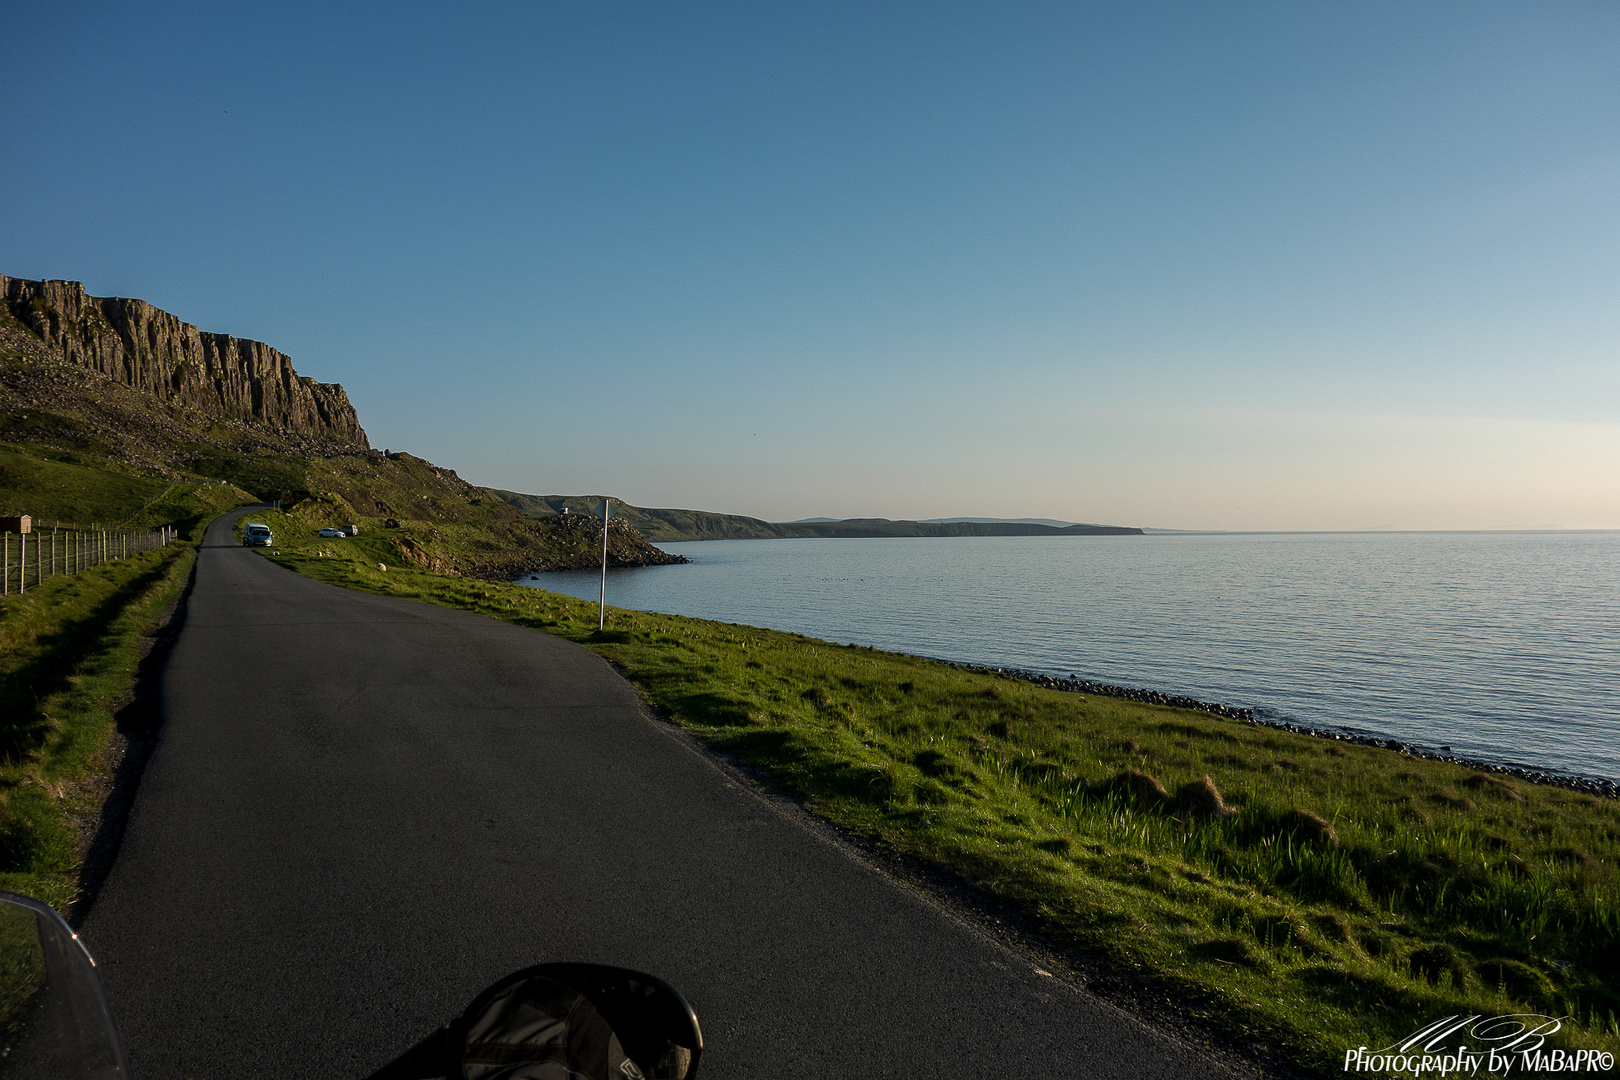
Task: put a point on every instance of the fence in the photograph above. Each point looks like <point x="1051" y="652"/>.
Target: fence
<point x="31" y="557"/>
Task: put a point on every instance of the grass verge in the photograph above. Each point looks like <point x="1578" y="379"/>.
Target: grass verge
<point x="1309" y="896"/>
<point x="68" y="652"/>
<point x="68" y="655"/>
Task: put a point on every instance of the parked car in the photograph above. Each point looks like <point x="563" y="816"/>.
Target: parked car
<point x="351" y="530"/>
<point x="333" y="533"/>
<point x="255" y="534"/>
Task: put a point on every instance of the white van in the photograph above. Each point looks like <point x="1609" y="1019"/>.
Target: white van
<point x="257" y="535"/>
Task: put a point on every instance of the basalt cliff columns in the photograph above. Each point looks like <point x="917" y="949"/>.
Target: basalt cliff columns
<point x="134" y="343"/>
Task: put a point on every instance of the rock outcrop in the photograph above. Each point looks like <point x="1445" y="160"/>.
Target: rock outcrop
<point x="574" y="542"/>
<point x="149" y="350"/>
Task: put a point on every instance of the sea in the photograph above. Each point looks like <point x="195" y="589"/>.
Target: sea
<point x="1502" y="646"/>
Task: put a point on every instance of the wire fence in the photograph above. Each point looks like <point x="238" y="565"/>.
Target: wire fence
<point x="28" y="558"/>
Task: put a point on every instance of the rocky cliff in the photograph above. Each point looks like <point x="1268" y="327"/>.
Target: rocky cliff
<point x="151" y="351"/>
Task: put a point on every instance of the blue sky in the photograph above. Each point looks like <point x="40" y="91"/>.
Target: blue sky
<point x="1180" y="265"/>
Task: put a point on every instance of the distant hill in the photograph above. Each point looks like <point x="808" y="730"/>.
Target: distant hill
<point x="855" y="527"/>
<point x="658" y="526"/>
<point x="671" y="526"/>
<point x="1054" y="522"/>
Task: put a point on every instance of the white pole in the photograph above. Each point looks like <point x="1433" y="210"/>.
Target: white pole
<point x="601" y="611"/>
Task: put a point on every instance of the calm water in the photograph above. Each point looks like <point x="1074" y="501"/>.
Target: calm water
<point x="1502" y="645"/>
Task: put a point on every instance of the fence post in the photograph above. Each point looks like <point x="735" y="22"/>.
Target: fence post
<point x="22" y="563"/>
<point x="5" y="569"/>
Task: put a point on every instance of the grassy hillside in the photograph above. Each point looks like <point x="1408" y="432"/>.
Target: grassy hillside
<point x="1305" y="896"/>
<point x="476" y="549"/>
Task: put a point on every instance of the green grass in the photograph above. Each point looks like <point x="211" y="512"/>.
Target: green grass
<point x="68" y="652"/>
<point x="81" y="491"/>
<point x="69" y="492"/>
<point x="1345" y="895"/>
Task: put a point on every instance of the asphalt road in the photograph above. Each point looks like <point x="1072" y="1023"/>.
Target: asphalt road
<point x="363" y="810"/>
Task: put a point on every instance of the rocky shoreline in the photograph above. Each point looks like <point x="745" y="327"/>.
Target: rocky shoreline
<point x="1590" y="785"/>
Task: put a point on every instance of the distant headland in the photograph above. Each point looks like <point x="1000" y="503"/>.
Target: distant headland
<point x="672" y="526"/>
